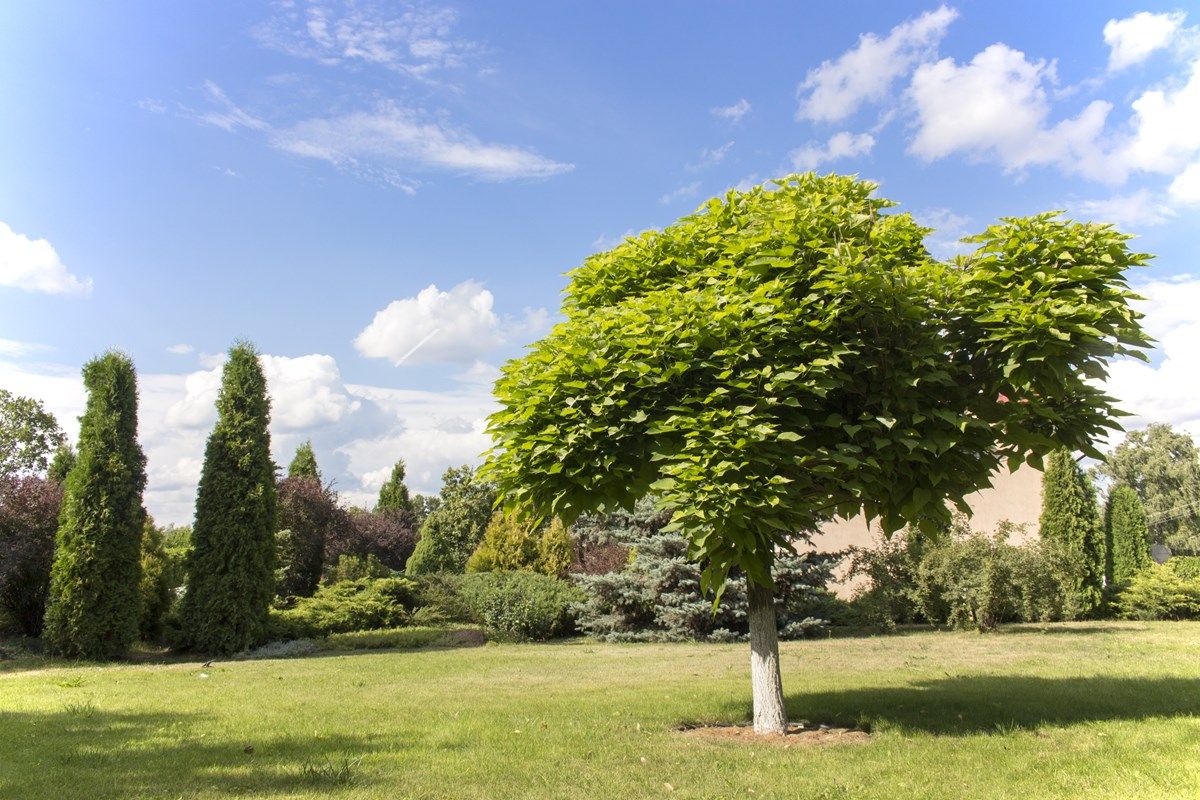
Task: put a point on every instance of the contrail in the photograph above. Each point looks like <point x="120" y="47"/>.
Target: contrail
<point x="417" y="346"/>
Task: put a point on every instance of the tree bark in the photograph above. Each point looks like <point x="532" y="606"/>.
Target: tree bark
<point x="769" y="714"/>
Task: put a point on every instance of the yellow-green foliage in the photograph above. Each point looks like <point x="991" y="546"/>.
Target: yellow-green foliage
<point x="511" y="543"/>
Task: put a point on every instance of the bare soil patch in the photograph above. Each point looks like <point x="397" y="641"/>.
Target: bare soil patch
<point x="798" y="735"/>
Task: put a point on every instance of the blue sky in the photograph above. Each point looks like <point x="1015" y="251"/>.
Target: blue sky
<point x="353" y="185"/>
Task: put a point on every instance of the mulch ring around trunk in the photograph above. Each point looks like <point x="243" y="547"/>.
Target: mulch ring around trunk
<point x="799" y="734"/>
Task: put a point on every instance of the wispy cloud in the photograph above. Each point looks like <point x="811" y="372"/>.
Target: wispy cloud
<point x="415" y="39"/>
<point x="690" y="190"/>
<point x="710" y="157"/>
<point x="733" y="113"/>
<point x="394" y="136"/>
<point x="180" y="349"/>
<point x="384" y="143"/>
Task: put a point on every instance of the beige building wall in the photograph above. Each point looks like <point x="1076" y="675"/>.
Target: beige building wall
<point x="1013" y="496"/>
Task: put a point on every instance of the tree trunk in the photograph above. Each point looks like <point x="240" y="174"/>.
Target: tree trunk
<point x="769" y="715"/>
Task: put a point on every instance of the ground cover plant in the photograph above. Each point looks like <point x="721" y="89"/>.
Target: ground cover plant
<point x="1079" y="710"/>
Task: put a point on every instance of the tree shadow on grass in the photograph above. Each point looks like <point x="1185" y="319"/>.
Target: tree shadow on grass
<point x="984" y="704"/>
<point x="83" y="751"/>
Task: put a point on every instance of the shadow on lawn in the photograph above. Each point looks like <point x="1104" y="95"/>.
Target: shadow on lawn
<point x="975" y="704"/>
<point x="83" y="751"/>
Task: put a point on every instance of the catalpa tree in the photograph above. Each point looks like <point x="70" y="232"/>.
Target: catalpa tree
<point x="794" y="352"/>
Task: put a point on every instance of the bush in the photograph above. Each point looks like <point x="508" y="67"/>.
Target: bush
<point x="1126" y="535"/>
<point x="1160" y="592"/>
<point x="388" y="535"/>
<point x="511" y="543"/>
<point x="364" y="604"/>
<point x="28" y="520"/>
<point x="1187" y="567"/>
<point x="452" y="531"/>
<point x="655" y="594"/>
<point x="392" y="638"/>
<point x="353" y="568"/>
<point x="887" y="597"/>
<point x="520" y="606"/>
<point x="155" y="586"/>
<point x="439" y="596"/>
<point x="310" y="516"/>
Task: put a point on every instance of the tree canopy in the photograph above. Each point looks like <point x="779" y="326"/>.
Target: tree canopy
<point x="793" y="351"/>
<point x="393" y="495"/>
<point x="29" y="435"/>
<point x="1163" y="467"/>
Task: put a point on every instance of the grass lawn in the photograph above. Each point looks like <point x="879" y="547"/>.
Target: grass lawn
<point x="1086" y="710"/>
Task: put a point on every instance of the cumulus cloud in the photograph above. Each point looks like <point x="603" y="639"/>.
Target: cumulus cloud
<point x="415" y="39"/>
<point x="1186" y="186"/>
<point x="34" y="265"/>
<point x="733" y="113"/>
<point x="456" y="327"/>
<point x="840" y="145"/>
<point x="836" y="89"/>
<point x="1133" y="39"/>
<point x="1164" y="391"/>
<point x="997" y="106"/>
<point x="1165" y="127"/>
<point x="394" y="136"/>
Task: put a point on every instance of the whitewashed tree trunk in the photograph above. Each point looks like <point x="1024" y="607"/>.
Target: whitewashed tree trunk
<point x="769" y="715"/>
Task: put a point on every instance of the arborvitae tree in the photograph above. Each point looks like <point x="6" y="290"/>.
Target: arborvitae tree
<point x="231" y="568"/>
<point x="94" y="607"/>
<point x="61" y="464"/>
<point x="393" y="495"/>
<point x="155" y="585"/>
<point x="304" y="463"/>
<point x="1070" y="522"/>
<point x="1126" y="534"/>
<point x="452" y="532"/>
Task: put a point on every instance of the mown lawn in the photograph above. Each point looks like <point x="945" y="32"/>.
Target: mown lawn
<point x="1087" y="710"/>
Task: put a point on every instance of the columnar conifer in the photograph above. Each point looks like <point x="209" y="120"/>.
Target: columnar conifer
<point x="304" y="463"/>
<point x="94" y="607"/>
<point x="232" y="564"/>
<point x="393" y="495"/>
<point x="1071" y="521"/>
<point x="1126" y="534"/>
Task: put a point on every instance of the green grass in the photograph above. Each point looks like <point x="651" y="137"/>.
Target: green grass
<point x="1088" y="710"/>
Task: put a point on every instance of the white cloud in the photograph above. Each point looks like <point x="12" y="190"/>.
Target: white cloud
<point x="1186" y="186"/>
<point x="710" y="157"/>
<point x="1136" y="209"/>
<point x="840" y="145"/>
<point x="997" y="107"/>
<point x="1166" y="392"/>
<point x="180" y="349"/>
<point x="733" y="113"/>
<point x="393" y="136"/>
<point x="689" y="190"/>
<point x="34" y="265"/>
<point x="457" y="326"/>
<point x="606" y="242"/>
<point x="415" y="39"/>
<point x="836" y="89"/>
<point x="1131" y="40"/>
<point x="1165" y="127"/>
